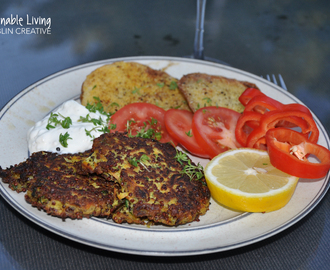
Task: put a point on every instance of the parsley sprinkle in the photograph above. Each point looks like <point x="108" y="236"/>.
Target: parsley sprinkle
<point x="133" y="161"/>
<point x="189" y="133"/>
<point x="208" y="100"/>
<point x="136" y="90"/>
<point x="64" y="139"/>
<point x="146" y="132"/>
<point x="114" y="104"/>
<point x="53" y="121"/>
<point x="67" y="122"/>
<point x="173" y="85"/>
<point x="195" y="172"/>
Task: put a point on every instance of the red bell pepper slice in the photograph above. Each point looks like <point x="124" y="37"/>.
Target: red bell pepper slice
<point x="288" y="149"/>
<point x="248" y="94"/>
<point x="243" y="126"/>
<point x="293" y="106"/>
<point x="297" y="106"/>
<point x="263" y="104"/>
<point x="270" y="120"/>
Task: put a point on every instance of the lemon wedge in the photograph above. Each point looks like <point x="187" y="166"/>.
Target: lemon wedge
<point x="243" y="179"/>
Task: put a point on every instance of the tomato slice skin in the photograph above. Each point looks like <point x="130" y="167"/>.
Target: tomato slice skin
<point x="214" y="128"/>
<point x="139" y="117"/>
<point x="179" y="125"/>
<point x="281" y="143"/>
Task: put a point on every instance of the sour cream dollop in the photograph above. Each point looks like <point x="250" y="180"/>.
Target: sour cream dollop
<point x="42" y="139"/>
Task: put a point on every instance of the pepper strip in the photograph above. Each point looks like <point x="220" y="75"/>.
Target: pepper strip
<point x="242" y="129"/>
<point x="282" y="145"/>
<point x="248" y="94"/>
<point x="270" y="120"/>
<point x="263" y="104"/>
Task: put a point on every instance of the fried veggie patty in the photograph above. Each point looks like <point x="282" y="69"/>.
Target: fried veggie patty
<point x="201" y="90"/>
<point x="122" y="83"/>
<point x="153" y="183"/>
<point x="131" y="180"/>
<point x="52" y="183"/>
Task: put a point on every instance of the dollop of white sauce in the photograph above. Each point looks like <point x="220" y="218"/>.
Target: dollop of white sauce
<point x="42" y="139"/>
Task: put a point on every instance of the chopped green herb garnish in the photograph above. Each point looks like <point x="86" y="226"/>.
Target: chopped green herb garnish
<point x="208" y="100"/>
<point x="160" y="85"/>
<point x="89" y="119"/>
<point x="173" y="85"/>
<point x="153" y="121"/>
<point x="189" y="133"/>
<point x="136" y="90"/>
<point x="146" y="132"/>
<point x="144" y="158"/>
<point x="67" y="122"/>
<point x="114" y="104"/>
<point x="100" y="124"/>
<point x="181" y="157"/>
<point x="113" y="126"/>
<point x="126" y="203"/>
<point x="133" y="161"/>
<point x="104" y="129"/>
<point x="53" y="121"/>
<point x="195" y="172"/>
<point x="64" y="139"/>
<point x="97" y="107"/>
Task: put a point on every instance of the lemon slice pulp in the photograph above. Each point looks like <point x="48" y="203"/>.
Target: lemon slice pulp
<point x="243" y="179"/>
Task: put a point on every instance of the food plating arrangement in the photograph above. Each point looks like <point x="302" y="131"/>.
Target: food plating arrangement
<point x="142" y="147"/>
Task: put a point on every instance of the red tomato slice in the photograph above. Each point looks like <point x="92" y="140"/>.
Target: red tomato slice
<point x="179" y="125"/>
<point x="214" y="128"/>
<point x="141" y="119"/>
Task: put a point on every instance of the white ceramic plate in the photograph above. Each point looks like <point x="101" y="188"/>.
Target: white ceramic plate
<point x="219" y="230"/>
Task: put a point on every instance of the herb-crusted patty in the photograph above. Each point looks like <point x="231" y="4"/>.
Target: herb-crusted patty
<point x="52" y="183"/>
<point x="158" y="183"/>
<point x="203" y="90"/>
<point x="122" y="83"/>
<point x="132" y="180"/>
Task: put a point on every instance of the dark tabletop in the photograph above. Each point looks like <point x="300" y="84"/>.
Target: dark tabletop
<point x="261" y="37"/>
